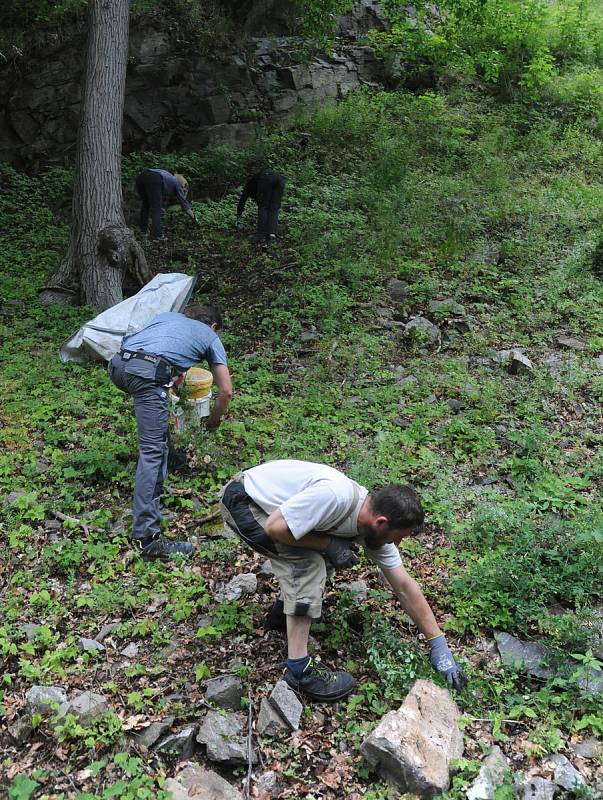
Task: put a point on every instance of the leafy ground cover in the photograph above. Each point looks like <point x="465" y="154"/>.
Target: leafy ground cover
<point x="487" y="207"/>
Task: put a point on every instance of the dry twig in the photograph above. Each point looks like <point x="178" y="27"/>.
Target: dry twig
<point x="76" y="521"/>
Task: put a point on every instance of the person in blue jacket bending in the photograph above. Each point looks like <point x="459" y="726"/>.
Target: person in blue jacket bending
<point x="156" y="188"/>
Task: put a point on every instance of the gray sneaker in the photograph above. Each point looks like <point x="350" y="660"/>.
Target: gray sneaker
<point x="321" y="684"/>
<point x="164" y="549"/>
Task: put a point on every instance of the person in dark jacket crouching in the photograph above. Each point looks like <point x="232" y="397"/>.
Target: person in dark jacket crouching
<point x="266" y="188"/>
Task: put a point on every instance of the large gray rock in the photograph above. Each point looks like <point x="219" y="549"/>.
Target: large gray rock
<point x="566" y="775"/>
<point x="86" y="706"/>
<point x="413" y="747"/>
<point x="490" y="777"/>
<point x="225" y="692"/>
<point x="535" y="788"/>
<point x="422" y="327"/>
<point x="41" y="699"/>
<point x="281" y="712"/>
<point x="196" y="783"/>
<point x="224" y="738"/>
<point x="180" y="745"/>
<point x="151" y="734"/>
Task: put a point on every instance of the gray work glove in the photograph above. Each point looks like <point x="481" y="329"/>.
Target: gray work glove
<point x="341" y="553"/>
<point x="239" y="224"/>
<point x="444" y="663"/>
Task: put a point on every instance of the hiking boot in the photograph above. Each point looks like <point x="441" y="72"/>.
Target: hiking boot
<point x="321" y="684"/>
<point x="276" y="619"/>
<point x="163" y="549"/>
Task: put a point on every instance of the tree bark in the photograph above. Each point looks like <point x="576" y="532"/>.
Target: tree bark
<point x="92" y="266"/>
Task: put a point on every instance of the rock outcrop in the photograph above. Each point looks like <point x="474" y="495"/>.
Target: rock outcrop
<point x="177" y="97"/>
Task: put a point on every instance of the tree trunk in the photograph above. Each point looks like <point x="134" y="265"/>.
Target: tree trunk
<point x="94" y="267"/>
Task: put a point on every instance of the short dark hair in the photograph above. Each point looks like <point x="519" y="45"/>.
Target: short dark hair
<point x="400" y="504"/>
<point x="207" y="314"/>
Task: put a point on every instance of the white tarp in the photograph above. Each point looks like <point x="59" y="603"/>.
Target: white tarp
<point x="101" y="337"/>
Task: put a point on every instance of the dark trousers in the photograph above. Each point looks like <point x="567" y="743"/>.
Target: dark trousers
<point x="149" y="186"/>
<point x="271" y="187"/>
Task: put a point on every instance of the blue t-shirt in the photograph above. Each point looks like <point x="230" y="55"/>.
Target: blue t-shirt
<point x="182" y="341"/>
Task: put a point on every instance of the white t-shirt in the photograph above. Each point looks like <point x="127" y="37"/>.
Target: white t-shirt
<point x="314" y="497"/>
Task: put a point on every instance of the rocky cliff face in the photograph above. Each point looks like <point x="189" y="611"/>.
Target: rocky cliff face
<point x="177" y="98"/>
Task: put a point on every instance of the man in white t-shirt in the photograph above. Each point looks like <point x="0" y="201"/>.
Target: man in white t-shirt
<point x="304" y="516"/>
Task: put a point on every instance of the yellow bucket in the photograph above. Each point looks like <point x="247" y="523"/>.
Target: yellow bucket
<point x="198" y="383"/>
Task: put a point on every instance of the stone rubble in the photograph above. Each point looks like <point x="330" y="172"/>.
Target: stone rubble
<point x="197" y="783"/>
<point x="224" y="739"/>
<point x="225" y="691"/>
<point x="566" y="775"/>
<point x="535" y="788"/>
<point x="148" y="736"/>
<point x="358" y="589"/>
<point x="43" y="699"/>
<point x="286" y="703"/>
<point x="270" y="723"/>
<point x="239" y="586"/>
<point x="180" y="745"/>
<point x="91" y="646"/>
<point x="516" y="362"/>
<point x="85" y="706"/>
<point x="491" y="775"/>
<point x="423" y="325"/>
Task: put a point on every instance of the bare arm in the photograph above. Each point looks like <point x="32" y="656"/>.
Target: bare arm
<point x="413" y="601"/>
<point x="224" y="383"/>
<point x="276" y="527"/>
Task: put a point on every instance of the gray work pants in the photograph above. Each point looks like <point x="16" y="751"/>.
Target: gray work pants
<point x="137" y="378"/>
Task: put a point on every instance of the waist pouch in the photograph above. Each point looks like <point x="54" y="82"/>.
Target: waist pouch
<point x="164" y="370"/>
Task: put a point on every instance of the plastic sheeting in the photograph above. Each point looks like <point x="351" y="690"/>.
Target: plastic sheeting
<point x="101" y="337"/>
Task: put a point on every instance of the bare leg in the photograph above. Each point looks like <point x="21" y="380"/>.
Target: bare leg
<point x="298" y="630"/>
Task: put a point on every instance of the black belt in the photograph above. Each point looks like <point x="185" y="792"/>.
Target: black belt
<point x="159" y="361"/>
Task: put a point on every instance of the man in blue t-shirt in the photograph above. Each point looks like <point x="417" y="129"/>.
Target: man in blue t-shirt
<point x="145" y="368"/>
<point x="157" y="187"/>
